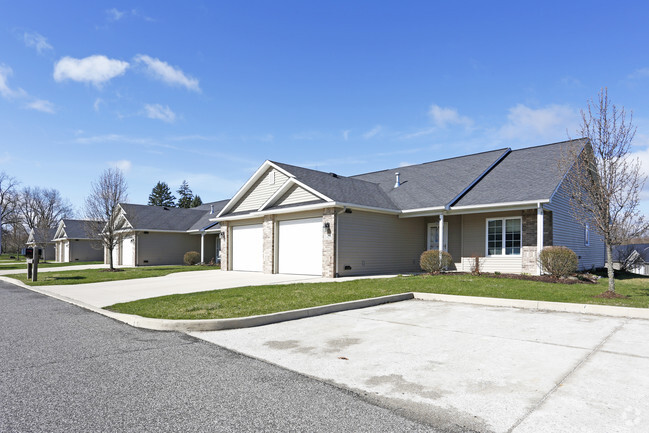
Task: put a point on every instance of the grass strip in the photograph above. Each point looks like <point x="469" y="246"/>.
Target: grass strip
<point x="23" y="265"/>
<point x="100" y="275"/>
<point x="255" y="300"/>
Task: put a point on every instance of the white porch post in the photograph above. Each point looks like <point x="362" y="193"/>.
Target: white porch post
<point x="539" y="237"/>
<point x="440" y="230"/>
<point x="203" y="247"/>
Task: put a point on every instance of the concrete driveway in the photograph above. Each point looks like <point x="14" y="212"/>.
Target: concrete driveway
<point x="111" y="292"/>
<point x="471" y="367"/>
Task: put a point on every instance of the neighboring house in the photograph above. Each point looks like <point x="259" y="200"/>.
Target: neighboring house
<point x="159" y="235"/>
<point x="72" y="244"/>
<point x="635" y="257"/>
<point x="47" y="244"/>
<point x="501" y="206"/>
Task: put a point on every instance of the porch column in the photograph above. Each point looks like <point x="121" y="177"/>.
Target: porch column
<point x="539" y="237"/>
<point x="203" y="247"/>
<point x="440" y="230"/>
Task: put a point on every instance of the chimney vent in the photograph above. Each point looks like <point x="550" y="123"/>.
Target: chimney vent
<point x="211" y="209"/>
<point x="397" y="182"/>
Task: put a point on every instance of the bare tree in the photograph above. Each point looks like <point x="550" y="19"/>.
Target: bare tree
<point x="41" y="210"/>
<point x="604" y="182"/>
<point x="101" y="211"/>
<point x="8" y="202"/>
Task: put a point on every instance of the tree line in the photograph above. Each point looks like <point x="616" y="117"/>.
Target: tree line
<point x="161" y="196"/>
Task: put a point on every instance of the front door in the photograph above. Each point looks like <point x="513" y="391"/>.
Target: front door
<point x="433" y="236"/>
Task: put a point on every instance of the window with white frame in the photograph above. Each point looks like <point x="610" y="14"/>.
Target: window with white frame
<point x="586" y="235"/>
<point x="504" y="236"/>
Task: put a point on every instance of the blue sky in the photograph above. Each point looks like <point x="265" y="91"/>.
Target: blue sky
<point x="206" y="91"/>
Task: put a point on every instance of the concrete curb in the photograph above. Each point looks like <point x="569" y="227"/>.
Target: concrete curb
<point x="600" y="310"/>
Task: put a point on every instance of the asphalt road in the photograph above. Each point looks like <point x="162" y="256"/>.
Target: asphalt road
<point x="64" y="369"/>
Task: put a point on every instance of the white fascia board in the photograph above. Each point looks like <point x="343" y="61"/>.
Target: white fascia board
<point x="258" y="214"/>
<point x="260" y="171"/>
<point x="282" y="189"/>
<point x="498" y="207"/>
<point x="424" y="211"/>
<point x="367" y="208"/>
<point x="313" y="191"/>
<point x="60" y="232"/>
<point x="157" y="231"/>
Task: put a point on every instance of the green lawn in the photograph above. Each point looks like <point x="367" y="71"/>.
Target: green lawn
<point x="23" y="265"/>
<point x="248" y="301"/>
<point x="100" y="275"/>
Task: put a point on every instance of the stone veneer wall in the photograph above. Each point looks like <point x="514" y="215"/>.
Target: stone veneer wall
<point x="529" y="228"/>
<point x="269" y="243"/>
<point x="225" y="247"/>
<point x="528" y="252"/>
<point x="329" y="244"/>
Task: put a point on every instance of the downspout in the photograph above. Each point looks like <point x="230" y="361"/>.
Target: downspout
<point x="336" y="239"/>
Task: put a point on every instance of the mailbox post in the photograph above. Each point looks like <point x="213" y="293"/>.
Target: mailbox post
<point x="32" y="263"/>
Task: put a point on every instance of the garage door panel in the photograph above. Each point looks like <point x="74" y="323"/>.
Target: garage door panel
<point x="300" y="247"/>
<point x="247" y="248"/>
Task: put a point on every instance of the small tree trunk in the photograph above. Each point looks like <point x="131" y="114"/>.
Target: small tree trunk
<point x="110" y="257"/>
<point x="609" y="266"/>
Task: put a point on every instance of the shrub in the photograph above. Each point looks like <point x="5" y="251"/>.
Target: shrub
<point x="430" y="261"/>
<point x="191" y="258"/>
<point x="558" y="261"/>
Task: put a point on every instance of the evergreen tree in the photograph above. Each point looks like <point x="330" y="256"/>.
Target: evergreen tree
<point x="196" y="201"/>
<point x="185" y="195"/>
<point x="161" y="195"/>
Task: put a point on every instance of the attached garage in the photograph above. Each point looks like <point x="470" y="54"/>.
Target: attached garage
<point x="300" y="246"/>
<point x="247" y="248"/>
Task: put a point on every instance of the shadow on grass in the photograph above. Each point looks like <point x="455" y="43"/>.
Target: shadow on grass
<point x="66" y="278"/>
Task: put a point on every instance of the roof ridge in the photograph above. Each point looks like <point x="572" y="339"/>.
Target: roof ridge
<point x="432" y="162"/>
<point x="551" y="144"/>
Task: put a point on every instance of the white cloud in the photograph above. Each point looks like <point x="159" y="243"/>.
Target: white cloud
<point x="38" y="41"/>
<point x="157" y="111"/>
<point x="11" y="94"/>
<point x="166" y="73"/>
<point x="444" y="116"/>
<point x="97" y="104"/>
<point x="553" y="122"/>
<point x="41" y="105"/>
<point x="96" y="69"/>
<point x="6" y="91"/>
<point x="372" y="132"/>
<point x="114" y="14"/>
<point x="123" y="164"/>
<point x="346" y="134"/>
<point x="639" y="73"/>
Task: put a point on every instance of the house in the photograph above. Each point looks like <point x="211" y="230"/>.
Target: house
<point x="159" y="235"/>
<point x="499" y="207"/>
<point x="633" y="257"/>
<point x="43" y="238"/>
<point x="72" y="244"/>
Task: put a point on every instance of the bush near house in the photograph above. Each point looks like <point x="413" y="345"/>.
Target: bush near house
<point x="558" y="261"/>
<point x="192" y="258"/>
<point x="435" y="261"/>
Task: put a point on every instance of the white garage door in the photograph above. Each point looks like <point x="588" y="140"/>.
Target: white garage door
<point x="128" y="252"/>
<point x="248" y="248"/>
<point x="300" y="246"/>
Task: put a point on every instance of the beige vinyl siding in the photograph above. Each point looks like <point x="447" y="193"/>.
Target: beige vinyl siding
<point x="82" y="251"/>
<point x="260" y="191"/>
<point x="568" y="232"/>
<point x="296" y="194"/>
<point x="374" y="243"/>
<point x="505" y="264"/>
<point x="165" y="248"/>
<point x="474" y="232"/>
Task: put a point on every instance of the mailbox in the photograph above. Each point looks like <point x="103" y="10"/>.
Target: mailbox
<point x="29" y="253"/>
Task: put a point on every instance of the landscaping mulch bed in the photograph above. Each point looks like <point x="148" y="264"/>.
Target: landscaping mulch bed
<point x="611" y="295"/>
<point x="581" y="279"/>
<point x="112" y="270"/>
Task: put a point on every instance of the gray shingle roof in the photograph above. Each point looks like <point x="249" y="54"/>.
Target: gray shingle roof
<point x="143" y="217"/>
<point x="492" y="177"/>
<point x="204" y="221"/>
<point x="74" y="229"/>
<point x="340" y="188"/>
<point x="524" y="175"/>
<point x="432" y="184"/>
<point x="36" y="235"/>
